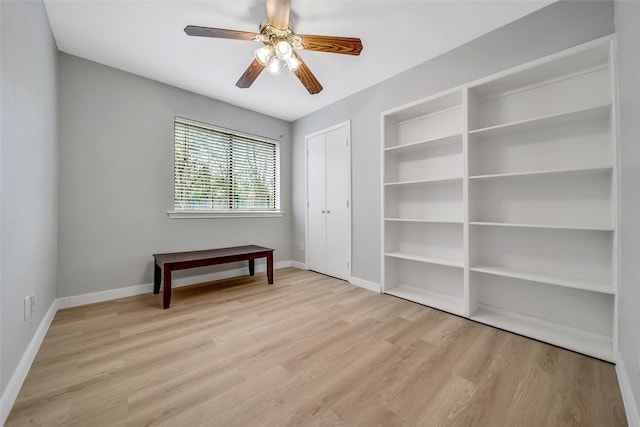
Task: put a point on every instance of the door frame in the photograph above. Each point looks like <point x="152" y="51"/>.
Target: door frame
<point x="346" y="124"/>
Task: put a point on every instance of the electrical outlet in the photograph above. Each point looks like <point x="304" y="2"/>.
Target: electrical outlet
<point x="27" y="307"/>
<point x="302" y="246"/>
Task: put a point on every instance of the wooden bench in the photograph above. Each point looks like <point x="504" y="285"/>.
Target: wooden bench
<point x="166" y="263"/>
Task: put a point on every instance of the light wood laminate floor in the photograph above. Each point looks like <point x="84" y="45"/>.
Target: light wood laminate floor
<point x="309" y="350"/>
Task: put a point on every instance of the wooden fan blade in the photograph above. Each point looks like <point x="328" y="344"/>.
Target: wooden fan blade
<point x="250" y="75"/>
<point x="219" y="33"/>
<point x="344" y="45"/>
<point x="304" y="74"/>
<point x="278" y="13"/>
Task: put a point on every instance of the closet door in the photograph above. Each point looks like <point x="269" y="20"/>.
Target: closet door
<point x="337" y="202"/>
<point x="328" y="217"/>
<point x="316" y="196"/>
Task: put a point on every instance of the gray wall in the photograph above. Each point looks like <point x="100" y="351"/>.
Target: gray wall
<point x="116" y="178"/>
<point x="29" y="158"/>
<point x="627" y="21"/>
<point x="551" y="29"/>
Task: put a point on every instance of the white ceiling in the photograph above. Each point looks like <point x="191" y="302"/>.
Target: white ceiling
<point x="146" y="37"/>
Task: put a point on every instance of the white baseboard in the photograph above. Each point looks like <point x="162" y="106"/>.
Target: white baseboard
<point x="73" y="301"/>
<point x="299" y="265"/>
<point x="372" y="286"/>
<point x="76" y="300"/>
<point x="627" y="394"/>
<point x="17" y="379"/>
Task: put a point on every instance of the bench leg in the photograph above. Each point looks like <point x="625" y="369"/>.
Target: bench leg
<point x="166" y="297"/>
<point x="270" y="268"/>
<point x="252" y="267"/>
<point x="156" y="278"/>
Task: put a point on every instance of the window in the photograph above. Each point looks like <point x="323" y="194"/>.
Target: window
<point x="223" y="171"/>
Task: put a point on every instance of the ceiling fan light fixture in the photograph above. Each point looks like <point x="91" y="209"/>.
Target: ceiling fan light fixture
<point x="292" y="63"/>
<point x="263" y="54"/>
<point x="274" y="66"/>
<point x="283" y="50"/>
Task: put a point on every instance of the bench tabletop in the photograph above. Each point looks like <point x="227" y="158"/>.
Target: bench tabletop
<point x="209" y="253"/>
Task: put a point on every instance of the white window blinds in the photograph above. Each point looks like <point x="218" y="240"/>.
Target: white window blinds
<point x="223" y="171"/>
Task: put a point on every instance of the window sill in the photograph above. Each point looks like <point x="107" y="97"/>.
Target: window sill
<point x="225" y="214"/>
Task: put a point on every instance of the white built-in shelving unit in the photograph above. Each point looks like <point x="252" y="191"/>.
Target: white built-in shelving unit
<point x="424" y="208"/>
<point x="499" y="200"/>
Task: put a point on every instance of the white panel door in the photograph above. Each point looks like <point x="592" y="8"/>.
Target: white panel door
<point x="317" y="217"/>
<point x="337" y="196"/>
<point x="328" y="192"/>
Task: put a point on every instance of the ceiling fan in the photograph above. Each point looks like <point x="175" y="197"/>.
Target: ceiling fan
<point x="279" y="44"/>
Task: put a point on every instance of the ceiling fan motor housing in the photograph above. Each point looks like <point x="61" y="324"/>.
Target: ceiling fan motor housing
<point x="270" y="35"/>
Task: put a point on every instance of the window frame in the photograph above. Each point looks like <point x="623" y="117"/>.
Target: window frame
<point x="230" y="212"/>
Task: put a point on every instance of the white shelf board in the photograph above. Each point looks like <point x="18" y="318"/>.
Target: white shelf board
<point x="448" y="100"/>
<point x="578" y="340"/>
<point x="552" y="120"/>
<point x="424" y="181"/>
<point x="425" y="259"/>
<point x="548" y="226"/>
<point x="433" y="299"/>
<point x="421" y="145"/>
<point x="588" y="57"/>
<point x="607" y="168"/>
<point x="546" y="278"/>
<point x="433" y="221"/>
